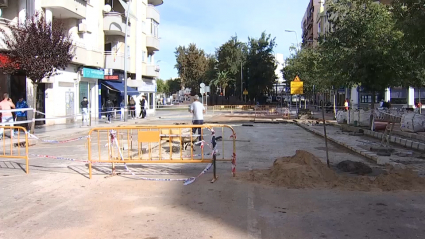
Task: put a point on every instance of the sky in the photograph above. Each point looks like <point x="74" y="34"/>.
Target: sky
<point x="210" y="23"/>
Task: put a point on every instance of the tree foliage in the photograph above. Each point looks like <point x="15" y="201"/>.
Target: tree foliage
<point x="223" y="80"/>
<point x="362" y="48"/>
<point x="231" y="56"/>
<point x="261" y="65"/>
<point x="191" y="66"/>
<point x="409" y="18"/>
<point x="38" y="48"/>
<point x="173" y="85"/>
<point x="161" y="85"/>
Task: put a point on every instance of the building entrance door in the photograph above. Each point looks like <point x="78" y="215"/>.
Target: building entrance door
<point x="69" y="105"/>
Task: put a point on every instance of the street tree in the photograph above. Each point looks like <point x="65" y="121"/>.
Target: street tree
<point x="211" y="70"/>
<point x="161" y="86"/>
<point x="191" y="66"/>
<point x="261" y="65"/>
<point x="173" y="85"/>
<point x="38" y="48"/>
<point x="360" y="48"/>
<point x="223" y="80"/>
<point x="410" y="19"/>
<point x="307" y="64"/>
<point x="231" y="57"/>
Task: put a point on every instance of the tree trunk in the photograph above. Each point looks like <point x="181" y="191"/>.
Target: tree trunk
<point x="372" y="111"/>
<point x="34" y="98"/>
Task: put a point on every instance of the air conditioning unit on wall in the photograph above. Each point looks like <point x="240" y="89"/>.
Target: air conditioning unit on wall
<point x="82" y="27"/>
<point x="4" y="3"/>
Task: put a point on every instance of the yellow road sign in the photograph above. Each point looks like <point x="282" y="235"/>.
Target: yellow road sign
<point x="297" y="86"/>
<point x="245" y="92"/>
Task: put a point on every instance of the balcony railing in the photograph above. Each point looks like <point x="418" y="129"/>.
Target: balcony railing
<point x="66" y="8"/>
<point x="114" y="24"/>
<point x="152" y="70"/>
<point x="115" y="60"/>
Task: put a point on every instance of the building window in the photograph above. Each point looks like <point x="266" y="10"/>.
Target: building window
<point x="154" y="28"/>
<point x="368" y="99"/>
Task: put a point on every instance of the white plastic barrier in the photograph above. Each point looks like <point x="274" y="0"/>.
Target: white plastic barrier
<point x="412" y="122"/>
<point x="341" y="117"/>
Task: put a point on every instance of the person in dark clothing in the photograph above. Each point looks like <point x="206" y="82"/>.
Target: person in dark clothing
<point x="22" y="115"/>
<point x="85" y="110"/>
<point x="109" y="109"/>
<point x="142" y="107"/>
<point x="132" y="107"/>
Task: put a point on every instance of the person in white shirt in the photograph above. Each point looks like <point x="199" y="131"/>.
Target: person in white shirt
<point x="197" y="109"/>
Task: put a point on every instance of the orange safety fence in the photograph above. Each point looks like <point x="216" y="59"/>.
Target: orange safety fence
<point x="14" y="144"/>
<point x="162" y="144"/>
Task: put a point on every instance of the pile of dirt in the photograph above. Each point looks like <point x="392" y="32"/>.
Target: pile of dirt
<point x="400" y="179"/>
<point x="300" y="171"/>
<point x="305" y="170"/>
<point x="354" y="167"/>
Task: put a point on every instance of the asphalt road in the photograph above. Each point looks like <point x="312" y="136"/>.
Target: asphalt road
<point x="56" y="200"/>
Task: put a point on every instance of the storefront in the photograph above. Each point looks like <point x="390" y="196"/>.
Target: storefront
<point x="112" y="87"/>
<point x="148" y="89"/>
<point x="88" y="87"/>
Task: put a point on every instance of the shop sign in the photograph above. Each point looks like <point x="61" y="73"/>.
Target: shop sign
<point x="93" y="73"/>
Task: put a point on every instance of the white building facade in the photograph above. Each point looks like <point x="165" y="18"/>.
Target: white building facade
<point x="97" y="70"/>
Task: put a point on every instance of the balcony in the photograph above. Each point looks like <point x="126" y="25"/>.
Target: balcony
<point x="152" y="43"/>
<point x="88" y="57"/>
<point x="114" y="24"/>
<point x="66" y="8"/>
<point x="152" y="13"/>
<point x="115" y="61"/>
<point x="156" y="2"/>
<point x="151" y="71"/>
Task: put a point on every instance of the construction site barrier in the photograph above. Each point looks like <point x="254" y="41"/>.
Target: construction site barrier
<point x="162" y="144"/>
<point x="232" y="108"/>
<point x="270" y="111"/>
<point x="14" y="144"/>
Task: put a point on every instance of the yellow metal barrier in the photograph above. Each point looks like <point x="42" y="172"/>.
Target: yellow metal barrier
<point x="14" y="145"/>
<point x="233" y="107"/>
<point x="162" y="144"/>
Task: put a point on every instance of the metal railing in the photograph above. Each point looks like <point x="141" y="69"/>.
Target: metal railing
<point x="161" y="144"/>
<point x="14" y="143"/>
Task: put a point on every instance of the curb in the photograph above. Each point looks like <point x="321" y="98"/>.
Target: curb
<point x="408" y="143"/>
<point x="371" y="156"/>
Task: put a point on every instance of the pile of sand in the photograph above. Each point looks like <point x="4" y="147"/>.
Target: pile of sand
<point x="304" y="170"/>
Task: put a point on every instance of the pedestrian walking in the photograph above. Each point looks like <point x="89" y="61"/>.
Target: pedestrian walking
<point x="346" y="104"/>
<point x="142" y="107"/>
<point x="198" y="110"/>
<point x="109" y="110"/>
<point x="85" y="110"/>
<point x="7" y="116"/>
<point x="122" y="108"/>
<point x="22" y="115"/>
<point x="132" y="107"/>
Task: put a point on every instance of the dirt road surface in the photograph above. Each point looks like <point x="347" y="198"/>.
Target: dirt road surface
<point x="57" y="200"/>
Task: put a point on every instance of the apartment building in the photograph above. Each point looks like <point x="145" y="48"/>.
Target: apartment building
<point x="97" y="71"/>
<point x="309" y="24"/>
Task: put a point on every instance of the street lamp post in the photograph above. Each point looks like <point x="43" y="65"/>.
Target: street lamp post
<point x="127" y="13"/>
<point x="296" y="37"/>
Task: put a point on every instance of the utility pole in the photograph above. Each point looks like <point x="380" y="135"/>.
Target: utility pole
<point x="241" y="82"/>
<point x="127" y="13"/>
